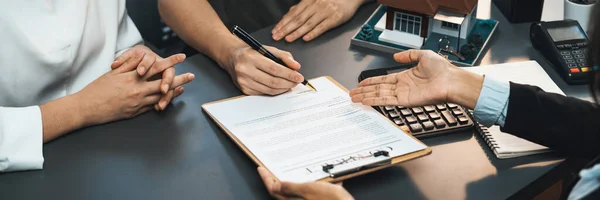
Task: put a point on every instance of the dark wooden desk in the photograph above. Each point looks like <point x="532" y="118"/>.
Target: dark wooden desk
<point x="181" y="154"/>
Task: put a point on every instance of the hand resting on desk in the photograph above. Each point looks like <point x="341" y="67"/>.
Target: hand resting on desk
<point x="149" y="65"/>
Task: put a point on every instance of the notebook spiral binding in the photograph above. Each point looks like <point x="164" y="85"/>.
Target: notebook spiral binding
<point x="485" y="133"/>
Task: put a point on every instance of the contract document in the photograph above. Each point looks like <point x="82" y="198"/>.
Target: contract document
<point x="295" y="134"/>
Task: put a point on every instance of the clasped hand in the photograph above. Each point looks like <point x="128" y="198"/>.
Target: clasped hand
<point x="140" y="81"/>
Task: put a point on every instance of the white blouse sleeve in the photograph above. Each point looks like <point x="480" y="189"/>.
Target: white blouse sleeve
<point x="128" y="35"/>
<point x="21" y="133"/>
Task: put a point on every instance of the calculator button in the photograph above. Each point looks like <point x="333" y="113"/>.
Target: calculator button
<point x="428" y="125"/>
<point x="405" y="112"/>
<point x="457" y="112"/>
<point x="429" y="109"/>
<point x="415" y="128"/>
<point x="449" y="118"/>
<point x="574" y="70"/>
<point x="439" y="123"/>
<point x="565" y="53"/>
<point x="452" y="106"/>
<point x="581" y="60"/>
<point x="434" y="115"/>
<point x="570" y="61"/>
<point x="568" y="57"/>
<point x="411" y="119"/>
<point x="393" y="114"/>
<point x="401" y="107"/>
<point x="398" y="122"/>
<point x="572" y="65"/>
<point x="423" y="117"/>
<point x="463" y="119"/>
<point x="441" y="107"/>
<point x="578" y="52"/>
<point x="582" y="65"/>
<point x="585" y="69"/>
<point x="389" y="108"/>
<point x="579" y="56"/>
<point x="417" y="110"/>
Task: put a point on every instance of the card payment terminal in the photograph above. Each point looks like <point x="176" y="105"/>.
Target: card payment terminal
<point x="564" y="44"/>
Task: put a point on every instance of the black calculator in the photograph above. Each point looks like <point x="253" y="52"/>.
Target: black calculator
<point x="423" y="121"/>
<point x="565" y="45"/>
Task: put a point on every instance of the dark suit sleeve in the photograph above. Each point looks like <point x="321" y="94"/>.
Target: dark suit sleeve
<point x="561" y="123"/>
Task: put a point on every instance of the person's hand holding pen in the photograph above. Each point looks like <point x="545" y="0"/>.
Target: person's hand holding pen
<point x="277" y="76"/>
<point x="255" y="74"/>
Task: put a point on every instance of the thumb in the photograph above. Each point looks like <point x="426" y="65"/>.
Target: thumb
<point x="409" y="56"/>
<point x="286" y="57"/>
<point x="295" y="189"/>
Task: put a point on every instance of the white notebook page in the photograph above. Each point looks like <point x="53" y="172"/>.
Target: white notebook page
<point x="294" y="134"/>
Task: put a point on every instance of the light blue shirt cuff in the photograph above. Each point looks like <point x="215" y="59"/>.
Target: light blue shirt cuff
<point x="590" y="181"/>
<point x="492" y="104"/>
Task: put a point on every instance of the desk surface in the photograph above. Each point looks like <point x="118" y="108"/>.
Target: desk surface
<point x="181" y="154"/>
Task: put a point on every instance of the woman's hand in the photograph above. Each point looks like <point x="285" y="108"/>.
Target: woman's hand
<point x="308" y="191"/>
<point x="433" y="80"/>
<point x="121" y="94"/>
<point x="149" y="64"/>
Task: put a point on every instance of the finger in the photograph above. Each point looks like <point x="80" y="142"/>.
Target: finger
<point x="143" y="110"/>
<point x="410" y="56"/>
<point x="372" y="88"/>
<point x="131" y="63"/>
<point x="386" y="79"/>
<point x="166" y="99"/>
<point x="153" y="87"/>
<point x="248" y="84"/>
<point x="167" y="79"/>
<point x="271" y="81"/>
<point x="151" y="100"/>
<point x="380" y="101"/>
<point x="286" y="57"/>
<point x="361" y="97"/>
<point x="178" y="91"/>
<point x="325" y="25"/>
<point x="295" y="22"/>
<point x="291" y="14"/>
<point x="162" y="64"/>
<point x="147" y="62"/>
<point x="276" y="70"/>
<point x="122" y="58"/>
<point x="269" y="180"/>
<point x="309" y="25"/>
<point x="295" y="189"/>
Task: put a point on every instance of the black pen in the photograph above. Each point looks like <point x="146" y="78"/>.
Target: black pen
<point x="254" y="44"/>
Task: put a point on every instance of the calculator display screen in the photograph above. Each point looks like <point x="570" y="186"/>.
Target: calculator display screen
<point x="566" y="33"/>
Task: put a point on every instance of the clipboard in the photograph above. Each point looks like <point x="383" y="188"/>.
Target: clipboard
<point x="391" y="161"/>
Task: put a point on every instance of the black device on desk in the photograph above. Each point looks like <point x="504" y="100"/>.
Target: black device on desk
<point x="423" y="121"/>
<point x="564" y="44"/>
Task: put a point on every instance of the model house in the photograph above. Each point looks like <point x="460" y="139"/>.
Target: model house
<point x="411" y="22"/>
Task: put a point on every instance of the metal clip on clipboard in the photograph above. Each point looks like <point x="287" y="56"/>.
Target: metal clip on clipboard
<point x="379" y="158"/>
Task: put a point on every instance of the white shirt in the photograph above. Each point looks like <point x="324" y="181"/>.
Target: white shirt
<point x="50" y="49"/>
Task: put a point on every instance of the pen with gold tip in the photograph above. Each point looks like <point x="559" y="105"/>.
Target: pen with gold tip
<point x="254" y="44"/>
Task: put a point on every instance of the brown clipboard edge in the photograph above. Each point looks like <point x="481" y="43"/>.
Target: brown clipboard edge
<point x="395" y="160"/>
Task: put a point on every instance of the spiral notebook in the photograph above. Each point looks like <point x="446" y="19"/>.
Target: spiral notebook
<point x="505" y="145"/>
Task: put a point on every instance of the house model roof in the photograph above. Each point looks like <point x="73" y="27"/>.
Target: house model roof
<point x="431" y="7"/>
